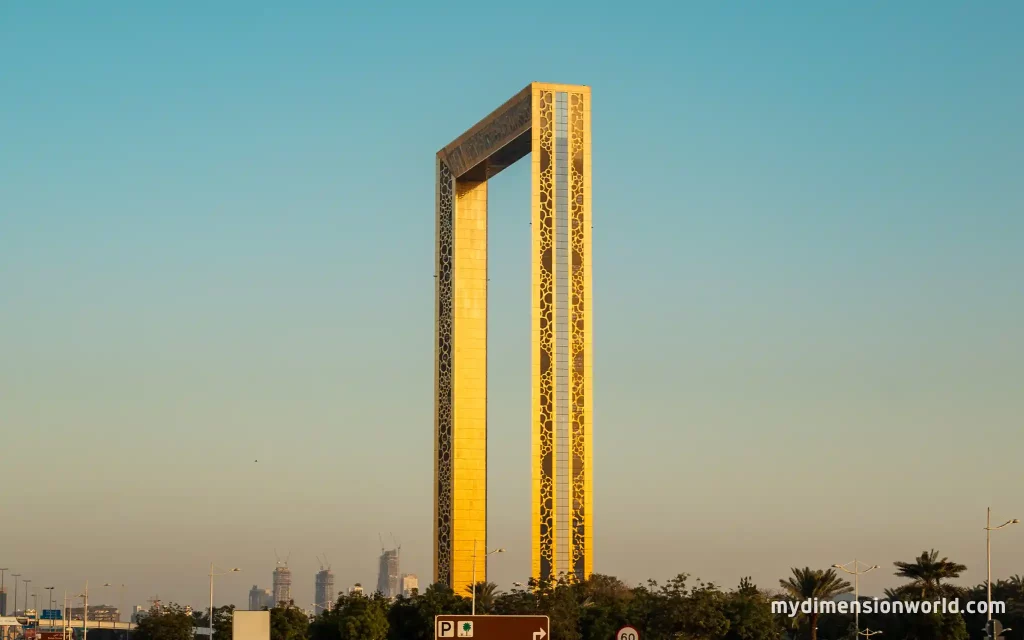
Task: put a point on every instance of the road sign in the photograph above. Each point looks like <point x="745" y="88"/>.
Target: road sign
<point x="492" y="627"/>
<point x="627" y="633"/>
<point x="51" y="614"/>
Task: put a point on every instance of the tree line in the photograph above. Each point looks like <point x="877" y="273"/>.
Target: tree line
<point x="594" y="609"/>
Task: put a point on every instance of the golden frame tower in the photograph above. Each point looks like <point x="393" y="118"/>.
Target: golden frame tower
<point x="553" y="122"/>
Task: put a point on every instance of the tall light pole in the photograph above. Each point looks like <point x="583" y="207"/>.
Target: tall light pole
<point x="14" y="611"/>
<point x="50" y="589"/>
<point x="3" y="611"/>
<point x="25" y="582"/>
<point x="988" y="554"/>
<point x="212" y="575"/>
<point x="85" y="612"/>
<point x="474" y="569"/>
<point x="856" y="573"/>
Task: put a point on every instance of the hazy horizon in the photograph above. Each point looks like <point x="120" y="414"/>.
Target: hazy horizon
<point x="216" y="248"/>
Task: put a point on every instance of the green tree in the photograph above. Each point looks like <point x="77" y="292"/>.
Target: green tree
<point x="165" y="622"/>
<point x="486" y="592"/>
<point x="927" y="572"/>
<point x="605" y="602"/>
<point x="413" y="618"/>
<point x="807" y="584"/>
<point x="354" y="617"/>
<point x="518" y="601"/>
<point x="288" y="622"/>
<point x="749" y="612"/>
<point x="222" y="620"/>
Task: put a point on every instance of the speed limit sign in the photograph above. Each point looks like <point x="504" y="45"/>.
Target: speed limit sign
<point x="627" y="633"/>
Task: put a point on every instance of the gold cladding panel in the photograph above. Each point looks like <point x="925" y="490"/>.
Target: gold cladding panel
<point x="470" y="382"/>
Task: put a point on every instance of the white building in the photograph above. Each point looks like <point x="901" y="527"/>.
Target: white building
<point x="409" y="584"/>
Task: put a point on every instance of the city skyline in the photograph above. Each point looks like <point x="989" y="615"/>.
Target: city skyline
<point x="216" y="288"/>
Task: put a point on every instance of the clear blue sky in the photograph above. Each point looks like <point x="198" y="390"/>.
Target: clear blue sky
<point x="216" y="229"/>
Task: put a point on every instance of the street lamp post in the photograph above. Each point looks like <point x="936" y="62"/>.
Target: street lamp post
<point x="502" y="550"/>
<point x="85" y="612"/>
<point x="3" y="611"/>
<point x="856" y="573"/>
<point x="50" y="605"/>
<point x="988" y="554"/>
<point x="15" y="609"/>
<point x="25" y="582"/>
<point x="212" y="575"/>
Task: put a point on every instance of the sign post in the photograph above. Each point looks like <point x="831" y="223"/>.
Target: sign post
<point x="627" y="633"/>
<point x="492" y="627"/>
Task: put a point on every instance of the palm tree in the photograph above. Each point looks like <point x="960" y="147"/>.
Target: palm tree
<point x="485" y="593"/>
<point x="927" y="572"/>
<point x="807" y="584"/>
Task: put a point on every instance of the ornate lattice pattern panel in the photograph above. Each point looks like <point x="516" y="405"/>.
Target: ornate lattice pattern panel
<point x="577" y="329"/>
<point x="546" y="409"/>
<point x="499" y="132"/>
<point x="445" y="410"/>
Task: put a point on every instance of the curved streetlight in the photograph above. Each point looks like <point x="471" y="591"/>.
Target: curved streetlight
<point x="856" y="573"/>
<point x="212" y="575"/>
<point x="988" y="553"/>
<point x="489" y="553"/>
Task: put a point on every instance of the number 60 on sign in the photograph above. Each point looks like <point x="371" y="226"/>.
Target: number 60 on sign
<point x="627" y="633"/>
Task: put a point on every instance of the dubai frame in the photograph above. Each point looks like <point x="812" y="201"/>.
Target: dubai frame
<point x="553" y="122"/>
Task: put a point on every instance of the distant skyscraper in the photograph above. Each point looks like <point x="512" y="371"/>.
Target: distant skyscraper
<point x="324" y="590"/>
<point x="409" y="584"/>
<point x="282" y="585"/>
<point x="259" y="598"/>
<point x="387" y="577"/>
<point x="3" y="602"/>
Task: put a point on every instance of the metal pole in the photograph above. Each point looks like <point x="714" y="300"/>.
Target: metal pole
<point x="211" y="601"/>
<point x="474" y="576"/>
<point x="3" y="611"/>
<point x="14" y="611"/>
<point x="85" y="612"/>
<point x="64" y="617"/>
<point x="988" y="559"/>
<point x="856" y="595"/>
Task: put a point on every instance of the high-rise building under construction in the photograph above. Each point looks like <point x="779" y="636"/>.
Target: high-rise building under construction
<point x="282" y="585"/>
<point x="388" y="576"/>
<point x="324" y="590"/>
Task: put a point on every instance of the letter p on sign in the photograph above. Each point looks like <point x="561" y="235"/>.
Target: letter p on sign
<point x="445" y="629"/>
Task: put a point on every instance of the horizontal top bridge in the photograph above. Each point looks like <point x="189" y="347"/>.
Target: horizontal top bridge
<point x="501" y="138"/>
